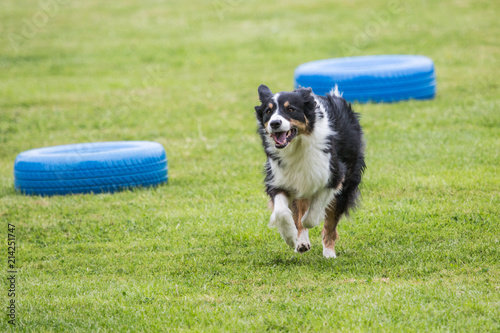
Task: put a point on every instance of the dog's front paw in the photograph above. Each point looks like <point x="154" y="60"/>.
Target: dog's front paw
<point x="309" y="220"/>
<point x="282" y="219"/>
<point x="302" y="247"/>
<point x="303" y="244"/>
<point x="287" y="229"/>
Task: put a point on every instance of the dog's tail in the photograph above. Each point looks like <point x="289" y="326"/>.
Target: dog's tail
<point x="348" y="199"/>
<point x="335" y="91"/>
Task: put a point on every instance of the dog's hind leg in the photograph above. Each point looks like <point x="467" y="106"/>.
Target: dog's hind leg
<point x="299" y="207"/>
<point x="282" y="218"/>
<point x="339" y="207"/>
<point x="329" y="232"/>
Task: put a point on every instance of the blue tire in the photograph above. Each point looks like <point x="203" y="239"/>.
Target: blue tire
<point x="382" y="78"/>
<point x="90" y="168"/>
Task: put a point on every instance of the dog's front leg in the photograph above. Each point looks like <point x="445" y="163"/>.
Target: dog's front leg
<point x="317" y="208"/>
<point x="282" y="218"/>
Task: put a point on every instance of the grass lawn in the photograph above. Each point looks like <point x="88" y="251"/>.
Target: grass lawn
<point x="421" y="253"/>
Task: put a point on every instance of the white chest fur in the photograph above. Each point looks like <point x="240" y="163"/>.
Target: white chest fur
<point x="305" y="167"/>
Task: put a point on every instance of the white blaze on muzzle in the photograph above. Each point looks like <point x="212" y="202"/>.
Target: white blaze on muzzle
<point x="281" y="130"/>
<point x="277" y="119"/>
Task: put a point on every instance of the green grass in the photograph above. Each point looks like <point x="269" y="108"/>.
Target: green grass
<point x="421" y="253"/>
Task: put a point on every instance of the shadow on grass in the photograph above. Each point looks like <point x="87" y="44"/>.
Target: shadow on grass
<point x="312" y="259"/>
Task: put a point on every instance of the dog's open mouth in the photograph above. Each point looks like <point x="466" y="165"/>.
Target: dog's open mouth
<point x="282" y="139"/>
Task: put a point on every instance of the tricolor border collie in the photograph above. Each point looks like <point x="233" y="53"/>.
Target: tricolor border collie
<point x="315" y="160"/>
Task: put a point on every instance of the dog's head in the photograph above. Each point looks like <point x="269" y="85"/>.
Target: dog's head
<point x="286" y="115"/>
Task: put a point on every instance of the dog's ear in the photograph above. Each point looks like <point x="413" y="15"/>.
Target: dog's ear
<point x="264" y="93"/>
<point x="306" y="94"/>
<point x="258" y="109"/>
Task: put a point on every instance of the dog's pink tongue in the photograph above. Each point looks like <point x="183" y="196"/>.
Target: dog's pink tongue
<point x="280" y="137"/>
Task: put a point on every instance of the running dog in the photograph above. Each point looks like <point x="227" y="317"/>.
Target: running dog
<point x="315" y="161"/>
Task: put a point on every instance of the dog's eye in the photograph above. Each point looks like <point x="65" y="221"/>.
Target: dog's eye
<point x="268" y="111"/>
<point x="289" y="110"/>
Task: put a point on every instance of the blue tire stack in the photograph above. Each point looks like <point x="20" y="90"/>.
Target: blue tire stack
<point x="90" y="168"/>
<point x="380" y="78"/>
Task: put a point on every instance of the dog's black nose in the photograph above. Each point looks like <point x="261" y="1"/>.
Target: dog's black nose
<point x="275" y="124"/>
